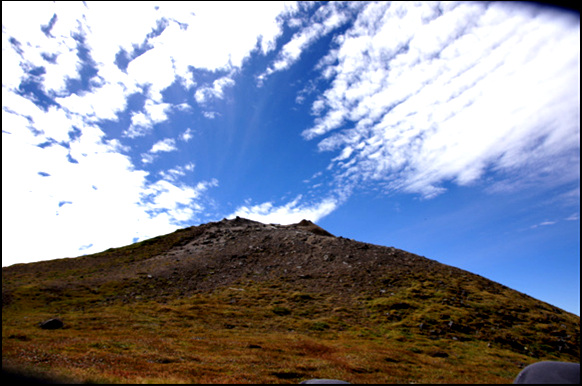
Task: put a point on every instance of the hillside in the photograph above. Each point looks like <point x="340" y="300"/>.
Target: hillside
<point x="238" y="301"/>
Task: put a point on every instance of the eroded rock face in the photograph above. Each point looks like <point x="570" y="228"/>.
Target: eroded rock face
<point x="221" y="253"/>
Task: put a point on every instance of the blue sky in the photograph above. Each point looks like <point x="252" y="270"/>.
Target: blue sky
<point x="450" y="130"/>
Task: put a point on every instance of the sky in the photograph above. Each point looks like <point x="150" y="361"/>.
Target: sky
<point x="450" y="130"/>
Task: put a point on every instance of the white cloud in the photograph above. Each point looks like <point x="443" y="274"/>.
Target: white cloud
<point x="139" y="119"/>
<point x="106" y="30"/>
<point x="203" y="94"/>
<point x="147" y="158"/>
<point x="100" y="104"/>
<point x="327" y="18"/>
<point x="210" y="114"/>
<point x="102" y="200"/>
<point x="142" y="122"/>
<point x="164" y="145"/>
<point x="137" y="130"/>
<point x="317" y="106"/>
<point x="177" y="172"/>
<point x="187" y="135"/>
<point x="419" y="97"/>
<point x="153" y="68"/>
<point x="290" y="213"/>
<point x="166" y="196"/>
<point x="156" y="112"/>
<point x="33" y="42"/>
<point x="573" y="217"/>
<point x="220" y="47"/>
<point x="543" y="223"/>
<point x="210" y="46"/>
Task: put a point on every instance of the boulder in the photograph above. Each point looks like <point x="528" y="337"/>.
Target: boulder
<point x="51" y="324"/>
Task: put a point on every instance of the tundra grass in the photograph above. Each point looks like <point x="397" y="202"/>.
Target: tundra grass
<point x="252" y="333"/>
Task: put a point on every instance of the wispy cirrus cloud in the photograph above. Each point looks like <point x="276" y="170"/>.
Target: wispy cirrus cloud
<point x="425" y="93"/>
<point x="543" y="224"/>
<point x="324" y="20"/>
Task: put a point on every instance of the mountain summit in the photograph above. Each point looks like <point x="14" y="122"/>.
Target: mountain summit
<point x="407" y="317"/>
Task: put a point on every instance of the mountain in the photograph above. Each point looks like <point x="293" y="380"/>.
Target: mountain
<point x="238" y="301"/>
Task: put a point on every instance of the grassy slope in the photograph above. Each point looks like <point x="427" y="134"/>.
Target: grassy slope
<point x="423" y="329"/>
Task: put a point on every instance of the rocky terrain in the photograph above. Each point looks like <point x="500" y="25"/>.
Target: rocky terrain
<point x="349" y="286"/>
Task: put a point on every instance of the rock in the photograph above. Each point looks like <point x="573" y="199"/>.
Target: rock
<point x="51" y="324"/>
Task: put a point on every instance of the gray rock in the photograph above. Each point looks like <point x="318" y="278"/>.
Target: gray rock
<point x="51" y="324"/>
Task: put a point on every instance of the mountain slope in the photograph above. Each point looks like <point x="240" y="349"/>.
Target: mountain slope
<point x="243" y="281"/>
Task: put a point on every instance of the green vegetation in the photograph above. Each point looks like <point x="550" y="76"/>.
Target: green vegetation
<point x="255" y="333"/>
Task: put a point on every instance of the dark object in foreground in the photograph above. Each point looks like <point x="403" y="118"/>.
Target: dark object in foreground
<point x="51" y="324"/>
<point x="548" y="372"/>
<point x="14" y="377"/>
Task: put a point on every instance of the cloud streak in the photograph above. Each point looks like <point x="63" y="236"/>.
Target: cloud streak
<point x="422" y="94"/>
<point x="324" y="20"/>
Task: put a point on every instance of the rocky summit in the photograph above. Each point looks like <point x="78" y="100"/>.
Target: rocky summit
<point x="255" y="284"/>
